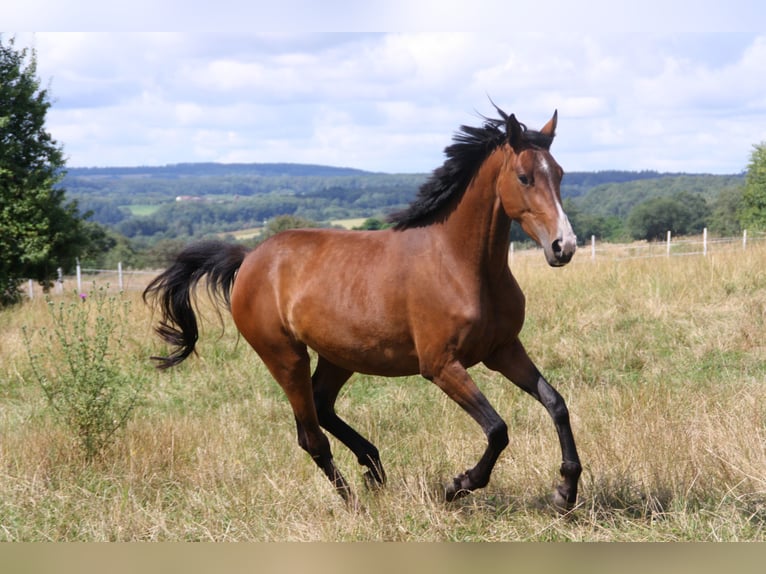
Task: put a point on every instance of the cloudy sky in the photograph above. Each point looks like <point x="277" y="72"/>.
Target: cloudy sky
<point x="662" y="88"/>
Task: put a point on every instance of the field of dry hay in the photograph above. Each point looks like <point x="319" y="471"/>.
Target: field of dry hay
<point x="662" y="363"/>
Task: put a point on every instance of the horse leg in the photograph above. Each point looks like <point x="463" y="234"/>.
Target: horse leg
<point x="513" y="362"/>
<point x="328" y="379"/>
<point x="455" y="381"/>
<point x="291" y="368"/>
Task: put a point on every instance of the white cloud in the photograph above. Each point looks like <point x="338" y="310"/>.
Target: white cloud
<point x="390" y="102"/>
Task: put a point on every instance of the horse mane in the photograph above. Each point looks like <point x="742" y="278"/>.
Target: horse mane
<point x="470" y="148"/>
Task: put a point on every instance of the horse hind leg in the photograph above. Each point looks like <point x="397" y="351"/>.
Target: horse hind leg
<point x="291" y="368"/>
<point x="327" y="381"/>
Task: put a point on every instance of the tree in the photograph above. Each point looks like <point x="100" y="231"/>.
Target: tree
<point x="39" y="230"/>
<point x="283" y="223"/>
<point x="682" y="214"/>
<point x="372" y="224"/>
<point x="585" y="224"/>
<point x="725" y="218"/>
<point x="753" y="214"/>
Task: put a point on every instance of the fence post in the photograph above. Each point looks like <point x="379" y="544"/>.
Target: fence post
<point x="704" y="242"/>
<point x="668" y="248"/>
<point x="744" y="239"/>
<point x="79" y="277"/>
<point x="592" y="247"/>
<point x="119" y="274"/>
<point x="31" y="289"/>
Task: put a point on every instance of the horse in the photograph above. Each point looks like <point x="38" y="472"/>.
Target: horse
<point x="433" y="294"/>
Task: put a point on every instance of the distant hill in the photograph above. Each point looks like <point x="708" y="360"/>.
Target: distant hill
<point x="216" y="169"/>
<point x="578" y="183"/>
<point x="216" y="178"/>
<point x="186" y="200"/>
<point x="617" y="198"/>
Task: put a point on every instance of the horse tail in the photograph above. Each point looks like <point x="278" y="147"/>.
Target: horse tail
<point x="172" y="291"/>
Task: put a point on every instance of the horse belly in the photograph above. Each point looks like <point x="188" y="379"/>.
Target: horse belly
<point x="343" y="294"/>
<point x="358" y="338"/>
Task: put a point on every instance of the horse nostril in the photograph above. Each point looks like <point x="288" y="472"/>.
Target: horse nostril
<point x="561" y="253"/>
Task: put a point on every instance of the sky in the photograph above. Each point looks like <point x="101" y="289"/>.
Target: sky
<point x="384" y="86"/>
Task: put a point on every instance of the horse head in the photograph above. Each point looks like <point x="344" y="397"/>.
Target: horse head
<point x="529" y="189"/>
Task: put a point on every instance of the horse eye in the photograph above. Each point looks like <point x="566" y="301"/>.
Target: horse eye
<point x="523" y="179"/>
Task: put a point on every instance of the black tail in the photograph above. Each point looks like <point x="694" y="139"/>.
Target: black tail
<point x="173" y="290"/>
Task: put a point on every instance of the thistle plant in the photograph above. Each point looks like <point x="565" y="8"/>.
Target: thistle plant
<point x="78" y="367"/>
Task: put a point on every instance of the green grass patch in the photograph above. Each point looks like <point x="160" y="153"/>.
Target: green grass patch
<point x="142" y="209"/>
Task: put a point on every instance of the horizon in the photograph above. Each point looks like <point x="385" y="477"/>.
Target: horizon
<point x="367" y="172"/>
<point x="634" y="91"/>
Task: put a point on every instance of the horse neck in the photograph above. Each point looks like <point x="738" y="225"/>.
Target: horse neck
<point x="478" y="229"/>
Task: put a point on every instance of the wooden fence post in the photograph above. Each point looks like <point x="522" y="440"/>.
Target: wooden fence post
<point x="704" y="242"/>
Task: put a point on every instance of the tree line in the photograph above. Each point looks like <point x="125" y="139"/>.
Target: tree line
<point x="642" y="209"/>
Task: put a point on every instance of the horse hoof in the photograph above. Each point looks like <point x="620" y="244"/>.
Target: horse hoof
<point x="459" y="488"/>
<point x="351" y="501"/>
<point x="372" y="482"/>
<point x="560" y="503"/>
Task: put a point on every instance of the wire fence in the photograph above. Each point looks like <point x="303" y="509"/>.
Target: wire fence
<point x="702" y="245"/>
<point x="120" y="279"/>
<point x="86" y="278"/>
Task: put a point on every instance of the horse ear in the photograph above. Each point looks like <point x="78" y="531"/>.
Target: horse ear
<point x="513" y="130"/>
<point x="549" y="129"/>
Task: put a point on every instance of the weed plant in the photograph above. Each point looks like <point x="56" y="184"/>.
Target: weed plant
<point x="76" y="362"/>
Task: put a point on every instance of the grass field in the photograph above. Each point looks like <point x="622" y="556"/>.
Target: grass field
<point x="143" y="210"/>
<point x="349" y="223"/>
<point x="662" y="363"/>
<point x="250" y="232"/>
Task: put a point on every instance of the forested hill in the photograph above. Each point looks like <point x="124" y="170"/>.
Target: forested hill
<point x="577" y="180"/>
<point x="211" y="179"/>
<point x="194" y="199"/>
<point x="620" y="197"/>
<point x="215" y="169"/>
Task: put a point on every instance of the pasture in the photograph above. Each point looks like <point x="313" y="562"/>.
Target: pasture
<point x="662" y="363"/>
<point x="143" y="209"/>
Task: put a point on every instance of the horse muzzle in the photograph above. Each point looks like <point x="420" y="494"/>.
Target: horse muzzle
<point x="560" y="252"/>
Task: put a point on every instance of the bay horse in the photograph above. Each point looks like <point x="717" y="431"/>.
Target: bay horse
<point x="431" y="295"/>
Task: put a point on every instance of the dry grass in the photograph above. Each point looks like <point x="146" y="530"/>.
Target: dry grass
<point x="662" y="362"/>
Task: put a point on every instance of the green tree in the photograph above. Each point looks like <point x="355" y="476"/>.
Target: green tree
<point x="372" y="224"/>
<point x="725" y="218"/>
<point x="585" y="224"/>
<point x="283" y="223"/>
<point x="753" y="215"/>
<point x="39" y="230"/>
<point x="682" y="214"/>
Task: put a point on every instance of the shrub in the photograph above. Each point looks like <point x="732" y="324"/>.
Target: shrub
<point x="79" y="371"/>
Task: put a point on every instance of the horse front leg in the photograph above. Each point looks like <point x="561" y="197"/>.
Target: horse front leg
<point x="514" y="363"/>
<point x="455" y="381"/>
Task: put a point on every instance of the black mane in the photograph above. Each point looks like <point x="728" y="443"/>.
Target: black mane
<point x="470" y="147"/>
